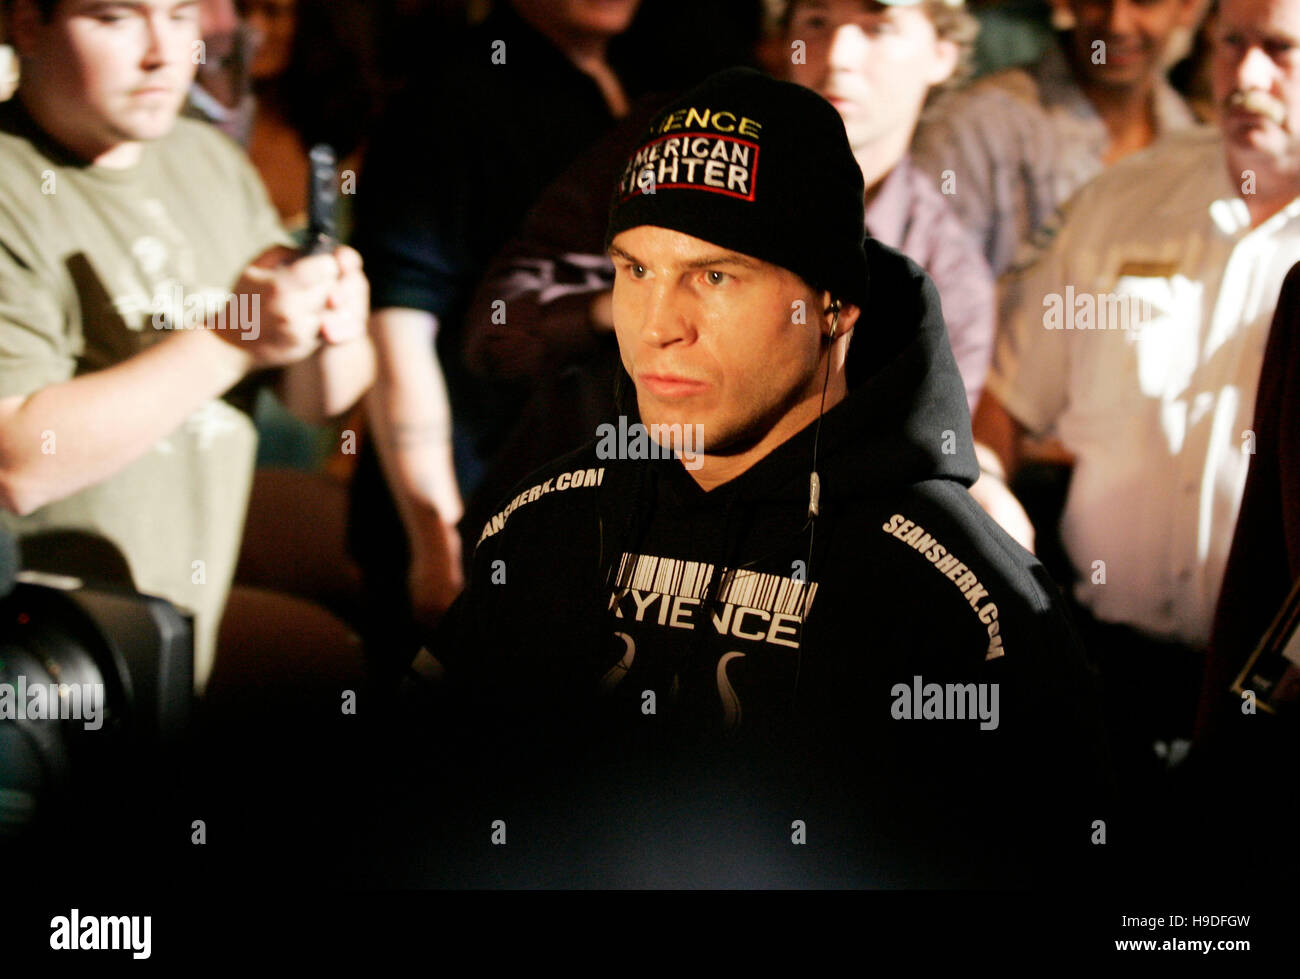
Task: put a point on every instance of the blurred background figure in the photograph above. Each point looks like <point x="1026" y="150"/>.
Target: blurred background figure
<point x="1182" y="251"/>
<point x="1019" y="142"/>
<point x="1011" y="149"/>
<point x="313" y="77"/>
<point x="222" y="91"/>
<point x="278" y="76"/>
<point x="455" y="165"/>
<point x="879" y="64"/>
<point x="1012" y="33"/>
<point x="310" y="70"/>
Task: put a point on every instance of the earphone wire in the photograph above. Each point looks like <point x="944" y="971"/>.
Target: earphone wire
<point x="814" y="496"/>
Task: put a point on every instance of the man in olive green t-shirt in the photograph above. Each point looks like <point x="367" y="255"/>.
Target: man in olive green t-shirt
<point x="142" y="277"/>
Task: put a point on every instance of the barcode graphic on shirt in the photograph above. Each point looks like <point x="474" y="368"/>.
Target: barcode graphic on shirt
<point x="750" y="589"/>
<point x="663" y="575"/>
<point x="770" y="592"/>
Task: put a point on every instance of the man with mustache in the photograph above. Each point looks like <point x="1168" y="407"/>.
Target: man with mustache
<point x="1012" y="149"/>
<point x="1173" y="261"/>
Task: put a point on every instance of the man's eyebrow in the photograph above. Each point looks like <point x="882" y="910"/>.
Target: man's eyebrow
<point x="722" y="258"/>
<point x="1280" y="36"/>
<point x="135" y="6"/>
<point x="704" y="261"/>
<point x="97" y="6"/>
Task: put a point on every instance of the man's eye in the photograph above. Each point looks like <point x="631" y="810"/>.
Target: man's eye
<point x="809" y="21"/>
<point x="715" y="278"/>
<point x="636" y="271"/>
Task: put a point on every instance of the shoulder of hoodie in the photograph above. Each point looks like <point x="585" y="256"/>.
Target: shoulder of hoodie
<point x="927" y="524"/>
<point x="563" y="488"/>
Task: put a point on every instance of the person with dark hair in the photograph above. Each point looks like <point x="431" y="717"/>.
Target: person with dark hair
<point x="1013" y="147"/>
<point x="222" y="92"/>
<point x="455" y="166"/>
<point x="735" y="615"/>
<point x="313" y="77"/>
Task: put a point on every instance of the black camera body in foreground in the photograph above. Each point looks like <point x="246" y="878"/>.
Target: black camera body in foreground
<point x="96" y="682"/>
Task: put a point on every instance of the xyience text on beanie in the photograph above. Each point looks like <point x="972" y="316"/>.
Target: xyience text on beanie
<point x="757" y="166"/>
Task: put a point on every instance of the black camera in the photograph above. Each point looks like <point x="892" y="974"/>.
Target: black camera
<point x="95" y="679"/>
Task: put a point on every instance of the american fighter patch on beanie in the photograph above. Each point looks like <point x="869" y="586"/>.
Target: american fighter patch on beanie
<point x="759" y="166"/>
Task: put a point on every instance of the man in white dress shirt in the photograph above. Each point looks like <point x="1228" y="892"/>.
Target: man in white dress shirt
<point x="1137" y="338"/>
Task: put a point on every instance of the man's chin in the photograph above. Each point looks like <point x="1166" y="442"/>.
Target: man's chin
<point x="143" y="124"/>
<point x="1119" y="78"/>
<point x="145" y="131"/>
<point x="1258" y="138"/>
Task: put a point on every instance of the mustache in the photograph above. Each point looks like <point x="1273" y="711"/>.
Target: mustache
<point x="1259" y="103"/>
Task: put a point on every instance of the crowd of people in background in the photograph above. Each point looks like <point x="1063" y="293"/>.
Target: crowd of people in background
<point x="1030" y="158"/>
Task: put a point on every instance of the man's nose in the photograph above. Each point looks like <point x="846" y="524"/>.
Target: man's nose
<point x="848" y="47"/>
<point x="1255" y="70"/>
<point x="665" y="317"/>
<point x="156" y="38"/>
<point x="1120" y="20"/>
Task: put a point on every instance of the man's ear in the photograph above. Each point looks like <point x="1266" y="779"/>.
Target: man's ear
<point x="946" y="56"/>
<point x="847" y="317"/>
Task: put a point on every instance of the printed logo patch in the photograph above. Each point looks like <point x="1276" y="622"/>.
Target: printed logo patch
<point x="718" y="164"/>
<point x="708" y="161"/>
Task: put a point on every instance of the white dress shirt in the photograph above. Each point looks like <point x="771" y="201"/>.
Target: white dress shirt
<point x="1159" y="416"/>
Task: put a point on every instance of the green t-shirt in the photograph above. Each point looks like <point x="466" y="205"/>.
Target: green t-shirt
<point x="87" y="256"/>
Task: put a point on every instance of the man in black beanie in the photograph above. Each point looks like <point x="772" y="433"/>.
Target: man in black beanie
<point x="758" y="633"/>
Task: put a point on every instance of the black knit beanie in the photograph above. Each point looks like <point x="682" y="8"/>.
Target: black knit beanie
<point x="758" y="166"/>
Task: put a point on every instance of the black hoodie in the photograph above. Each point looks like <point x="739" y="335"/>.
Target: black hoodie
<point x="751" y="674"/>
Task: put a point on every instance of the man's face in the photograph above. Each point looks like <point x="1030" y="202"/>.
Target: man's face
<point x="111" y="72"/>
<point x="586" y="18"/>
<point x="1256" y="79"/>
<point x="273" y="24"/>
<point x="710" y="338"/>
<point x="873" y="62"/>
<point x="1134" y="35"/>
